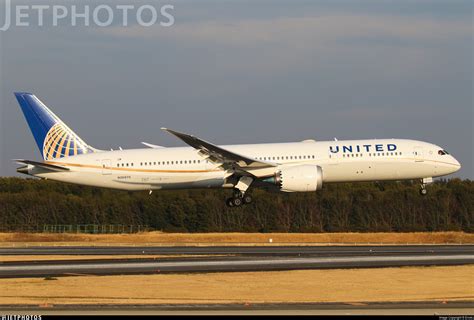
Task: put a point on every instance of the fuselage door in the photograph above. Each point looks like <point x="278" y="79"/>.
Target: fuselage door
<point x="334" y="153"/>
<point x="106" y="165"/>
<point x="418" y="154"/>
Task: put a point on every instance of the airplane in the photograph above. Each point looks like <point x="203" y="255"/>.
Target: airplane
<point x="282" y="167"/>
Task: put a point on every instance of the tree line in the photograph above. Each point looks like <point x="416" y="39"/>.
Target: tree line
<point x="345" y="207"/>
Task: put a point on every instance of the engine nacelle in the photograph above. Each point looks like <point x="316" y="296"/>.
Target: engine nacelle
<point x="301" y="178"/>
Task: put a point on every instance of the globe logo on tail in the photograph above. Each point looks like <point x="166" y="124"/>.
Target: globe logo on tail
<point x="61" y="142"/>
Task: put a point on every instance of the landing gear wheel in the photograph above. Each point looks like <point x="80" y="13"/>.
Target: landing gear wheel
<point x="247" y="199"/>
<point x="229" y="202"/>
<point x="237" y="202"/>
<point x="423" y="191"/>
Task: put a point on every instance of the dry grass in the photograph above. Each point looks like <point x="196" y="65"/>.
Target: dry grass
<point x="350" y="286"/>
<point x="157" y="238"/>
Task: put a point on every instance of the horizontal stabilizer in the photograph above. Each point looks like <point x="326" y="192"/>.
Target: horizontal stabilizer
<point x="42" y="165"/>
<point x="153" y="146"/>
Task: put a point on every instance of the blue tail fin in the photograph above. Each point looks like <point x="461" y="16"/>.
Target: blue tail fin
<point x="53" y="137"/>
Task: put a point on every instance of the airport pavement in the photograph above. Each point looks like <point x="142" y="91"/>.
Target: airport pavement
<point x="378" y="308"/>
<point x="242" y="250"/>
<point x="234" y="259"/>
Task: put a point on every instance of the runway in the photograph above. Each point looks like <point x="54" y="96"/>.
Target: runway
<point x="242" y="250"/>
<point x="228" y="259"/>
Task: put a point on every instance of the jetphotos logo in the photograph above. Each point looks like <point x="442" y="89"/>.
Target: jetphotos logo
<point x="100" y="15"/>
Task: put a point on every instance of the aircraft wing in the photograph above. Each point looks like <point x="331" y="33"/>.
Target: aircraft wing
<point x="42" y="165"/>
<point x="228" y="159"/>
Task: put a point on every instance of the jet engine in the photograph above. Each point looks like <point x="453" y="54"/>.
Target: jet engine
<point x="300" y="178"/>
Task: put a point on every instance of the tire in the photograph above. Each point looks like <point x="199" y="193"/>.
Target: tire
<point x="229" y="202"/>
<point x="237" y="202"/>
<point x="423" y="192"/>
<point x="247" y="199"/>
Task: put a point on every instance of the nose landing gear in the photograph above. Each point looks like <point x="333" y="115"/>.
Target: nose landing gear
<point x="423" y="190"/>
<point x="424" y="182"/>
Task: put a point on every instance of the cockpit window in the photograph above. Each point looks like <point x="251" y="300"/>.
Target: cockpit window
<point x="442" y="152"/>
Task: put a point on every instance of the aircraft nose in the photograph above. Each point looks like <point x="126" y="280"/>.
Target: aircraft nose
<point x="456" y="163"/>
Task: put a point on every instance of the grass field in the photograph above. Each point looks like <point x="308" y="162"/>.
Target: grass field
<point x="159" y="238"/>
<point x="349" y="286"/>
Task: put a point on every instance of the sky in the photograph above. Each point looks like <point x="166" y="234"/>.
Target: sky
<point x="238" y="71"/>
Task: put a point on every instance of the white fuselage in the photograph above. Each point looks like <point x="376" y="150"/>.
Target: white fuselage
<point x="183" y="167"/>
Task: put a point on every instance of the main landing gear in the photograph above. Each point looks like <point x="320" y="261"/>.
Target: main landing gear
<point x="240" y="197"/>
<point x="424" y="182"/>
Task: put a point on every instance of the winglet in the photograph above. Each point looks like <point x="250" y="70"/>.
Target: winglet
<point x="187" y="138"/>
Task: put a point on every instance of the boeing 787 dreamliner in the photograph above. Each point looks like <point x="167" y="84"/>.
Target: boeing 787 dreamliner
<point x="288" y="167"/>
